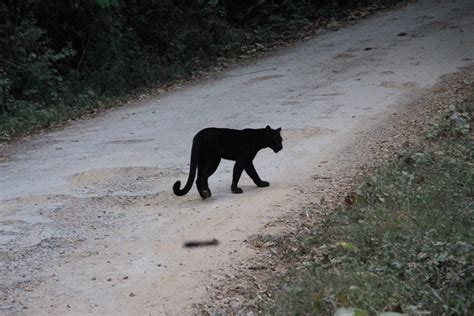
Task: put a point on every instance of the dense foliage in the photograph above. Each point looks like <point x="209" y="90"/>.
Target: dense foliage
<point x="59" y="58"/>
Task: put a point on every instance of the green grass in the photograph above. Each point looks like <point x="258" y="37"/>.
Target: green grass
<point x="406" y="245"/>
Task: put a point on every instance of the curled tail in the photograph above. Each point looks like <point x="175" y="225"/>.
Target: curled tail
<point x="192" y="174"/>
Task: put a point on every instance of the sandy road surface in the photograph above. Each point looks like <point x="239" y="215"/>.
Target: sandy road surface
<point x="88" y="222"/>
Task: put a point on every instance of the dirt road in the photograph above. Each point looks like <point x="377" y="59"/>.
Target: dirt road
<point x="88" y="221"/>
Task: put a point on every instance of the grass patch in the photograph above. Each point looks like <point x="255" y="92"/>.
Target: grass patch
<point x="405" y="245"/>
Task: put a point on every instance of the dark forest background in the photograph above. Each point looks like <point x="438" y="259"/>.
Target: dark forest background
<point x="60" y="59"/>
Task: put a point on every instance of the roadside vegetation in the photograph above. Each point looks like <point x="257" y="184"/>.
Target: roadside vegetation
<point x="403" y="241"/>
<point x="62" y="59"/>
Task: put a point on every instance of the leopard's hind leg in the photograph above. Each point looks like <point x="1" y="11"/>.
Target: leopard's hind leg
<point x="205" y="169"/>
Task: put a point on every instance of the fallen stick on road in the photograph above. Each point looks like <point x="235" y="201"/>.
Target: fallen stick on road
<point x="198" y="243"/>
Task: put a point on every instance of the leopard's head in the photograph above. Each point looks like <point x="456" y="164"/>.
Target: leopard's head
<point x="273" y="138"/>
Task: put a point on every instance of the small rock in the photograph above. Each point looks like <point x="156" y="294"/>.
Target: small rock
<point x="132" y="294"/>
<point x="109" y="279"/>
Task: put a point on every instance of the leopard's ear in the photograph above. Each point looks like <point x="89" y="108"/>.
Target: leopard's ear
<point x="278" y="129"/>
<point x="268" y="127"/>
